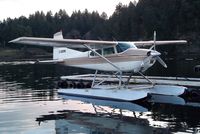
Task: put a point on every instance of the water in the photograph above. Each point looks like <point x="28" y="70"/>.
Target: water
<point x="29" y="104"/>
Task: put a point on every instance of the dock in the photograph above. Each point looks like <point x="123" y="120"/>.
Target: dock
<point x="179" y="81"/>
<point x="137" y="89"/>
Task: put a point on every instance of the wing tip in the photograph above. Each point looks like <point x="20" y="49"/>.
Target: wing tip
<point x="17" y="40"/>
<point x="182" y="41"/>
<point x="14" y="41"/>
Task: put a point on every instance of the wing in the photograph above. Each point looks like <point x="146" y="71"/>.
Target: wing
<point x="150" y="43"/>
<point x="56" y="42"/>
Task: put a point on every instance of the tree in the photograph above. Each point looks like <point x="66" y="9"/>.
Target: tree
<point x="172" y="19"/>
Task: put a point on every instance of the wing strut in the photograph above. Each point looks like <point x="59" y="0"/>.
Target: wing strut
<point x="108" y="61"/>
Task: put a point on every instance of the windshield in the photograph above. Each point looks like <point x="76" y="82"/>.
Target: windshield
<point x="122" y="46"/>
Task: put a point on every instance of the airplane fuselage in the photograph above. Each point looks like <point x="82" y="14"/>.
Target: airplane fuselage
<point x="132" y="59"/>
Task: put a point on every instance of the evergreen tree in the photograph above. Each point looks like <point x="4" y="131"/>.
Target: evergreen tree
<point x="172" y="19"/>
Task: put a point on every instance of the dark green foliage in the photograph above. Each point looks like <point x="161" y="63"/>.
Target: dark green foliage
<point x="172" y="19"/>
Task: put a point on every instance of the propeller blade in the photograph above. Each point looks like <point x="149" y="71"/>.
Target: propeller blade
<point x="161" y="61"/>
<point x="154" y="41"/>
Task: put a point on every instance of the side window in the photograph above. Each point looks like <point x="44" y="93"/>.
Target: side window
<point x="91" y="53"/>
<point x="108" y="51"/>
<point x="98" y="51"/>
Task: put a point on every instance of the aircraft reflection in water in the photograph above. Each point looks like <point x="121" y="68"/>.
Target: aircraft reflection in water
<point x="108" y="118"/>
<point x="111" y="117"/>
<point x="31" y="90"/>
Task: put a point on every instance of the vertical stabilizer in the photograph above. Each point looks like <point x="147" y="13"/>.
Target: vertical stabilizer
<point x="58" y="35"/>
<point x="60" y="53"/>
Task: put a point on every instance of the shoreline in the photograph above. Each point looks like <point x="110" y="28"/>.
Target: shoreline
<point x="31" y="54"/>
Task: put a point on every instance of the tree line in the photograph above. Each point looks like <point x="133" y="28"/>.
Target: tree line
<point x="172" y="19"/>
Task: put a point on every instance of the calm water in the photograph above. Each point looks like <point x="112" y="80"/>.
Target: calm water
<point x="29" y="104"/>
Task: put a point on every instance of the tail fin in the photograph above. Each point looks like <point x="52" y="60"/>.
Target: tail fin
<point x="60" y="53"/>
<point x="58" y="35"/>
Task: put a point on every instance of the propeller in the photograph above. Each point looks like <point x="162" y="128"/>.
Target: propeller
<point x="152" y="54"/>
<point x="157" y="55"/>
<point x="161" y="61"/>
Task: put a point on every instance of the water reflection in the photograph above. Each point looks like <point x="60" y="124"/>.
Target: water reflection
<point x="29" y="104"/>
<point x="161" y="118"/>
<point x="179" y="118"/>
<point x="105" y="120"/>
<point x="30" y="82"/>
<point x="87" y="123"/>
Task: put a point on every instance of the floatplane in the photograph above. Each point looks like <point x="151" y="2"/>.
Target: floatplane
<point x="116" y="57"/>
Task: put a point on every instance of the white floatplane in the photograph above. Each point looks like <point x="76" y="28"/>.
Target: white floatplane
<point x="111" y="56"/>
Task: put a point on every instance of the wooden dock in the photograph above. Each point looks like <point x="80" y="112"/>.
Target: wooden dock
<point x="180" y="81"/>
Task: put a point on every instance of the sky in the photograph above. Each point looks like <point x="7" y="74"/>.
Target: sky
<point x="17" y="8"/>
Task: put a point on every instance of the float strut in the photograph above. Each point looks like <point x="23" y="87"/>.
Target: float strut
<point x="146" y="78"/>
<point x="95" y="75"/>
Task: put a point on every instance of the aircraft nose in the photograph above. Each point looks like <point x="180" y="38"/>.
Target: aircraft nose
<point x="155" y="53"/>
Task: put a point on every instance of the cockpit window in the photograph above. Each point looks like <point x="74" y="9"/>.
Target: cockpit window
<point x="108" y="51"/>
<point x="104" y="51"/>
<point x="122" y="46"/>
